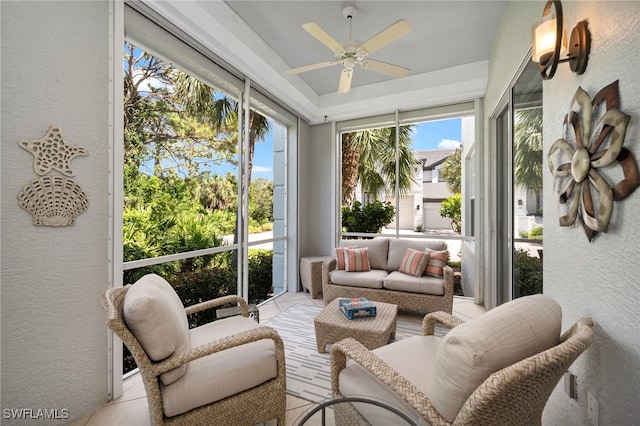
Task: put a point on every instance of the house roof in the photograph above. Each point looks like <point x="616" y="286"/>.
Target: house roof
<point x="434" y="157"/>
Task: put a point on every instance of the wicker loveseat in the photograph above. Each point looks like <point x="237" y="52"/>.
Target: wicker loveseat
<point x="385" y="283"/>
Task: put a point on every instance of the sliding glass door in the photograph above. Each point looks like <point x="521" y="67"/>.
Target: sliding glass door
<point x="519" y="161"/>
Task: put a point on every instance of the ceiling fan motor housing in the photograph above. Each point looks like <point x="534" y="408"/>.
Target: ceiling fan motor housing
<point x="349" y="12"/>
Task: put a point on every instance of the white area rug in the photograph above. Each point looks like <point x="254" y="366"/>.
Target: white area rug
<point x="309" y="372"/>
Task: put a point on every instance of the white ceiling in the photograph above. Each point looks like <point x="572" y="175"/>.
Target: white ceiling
<point x="447" y="50"/>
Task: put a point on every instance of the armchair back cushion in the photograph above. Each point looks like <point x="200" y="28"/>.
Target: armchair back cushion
<point x="472" y="351"/>
<point x="155" y="315"/>
<point x="377" y="252"/>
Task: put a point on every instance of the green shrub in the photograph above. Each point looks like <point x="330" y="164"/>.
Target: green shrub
<point x="536" y="233"/>
<point x="367" y="218"/>
<point x="260" y="275"/>
<point x="527" y="273"/>
<point x="451" y="208"/>
<point x="523" y="234"/>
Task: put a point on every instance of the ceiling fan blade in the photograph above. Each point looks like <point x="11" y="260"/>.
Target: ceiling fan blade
<point x="323" y="37"/>
<point x="386" y="36"/>
<point x="311" y="67"/>
<point x="345" y="80"/>
<point x="385" y="68"/>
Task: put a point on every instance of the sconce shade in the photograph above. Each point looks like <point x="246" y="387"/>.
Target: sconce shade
<point x="543" y="40"/>
<point x="548" y="42"/>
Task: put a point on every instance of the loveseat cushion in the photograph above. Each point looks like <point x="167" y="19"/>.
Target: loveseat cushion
<point x="398" y="248"/>
<point x="424" y="284"/>
<point x="155" y="315"/>
<point x="369" y="279"/>
<point x="378" y="250"/>
<point x="223" y="373"/>
<point x="471" y="352"/>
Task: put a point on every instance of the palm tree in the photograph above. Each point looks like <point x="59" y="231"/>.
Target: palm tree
<point x="220" y="111"/>
<point x="369" y="158"/>
<point x="527" y="153"/>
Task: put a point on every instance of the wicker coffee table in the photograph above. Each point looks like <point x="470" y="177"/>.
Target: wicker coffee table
<point x="331" y="326"/>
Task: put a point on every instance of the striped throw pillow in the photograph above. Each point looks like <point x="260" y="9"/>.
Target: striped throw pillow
<point x="341" y="256"/>
<point x="437" y="260"/>
<point x="414" y="262"/>
<point x="357" y="260"/>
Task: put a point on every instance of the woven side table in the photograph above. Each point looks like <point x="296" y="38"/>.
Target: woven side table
<point x="311" y="273"/>
<point x="331" y="326"/>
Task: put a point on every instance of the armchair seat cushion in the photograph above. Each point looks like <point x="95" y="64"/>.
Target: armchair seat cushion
<point x="424" y="284"/>
<point x="221" y="374"/>
<point x="368" y="279"/>
<point x="413" y="358"/>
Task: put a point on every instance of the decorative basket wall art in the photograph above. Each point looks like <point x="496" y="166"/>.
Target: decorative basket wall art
<point x="53" y="200"/>
<point x="595" y="157"/>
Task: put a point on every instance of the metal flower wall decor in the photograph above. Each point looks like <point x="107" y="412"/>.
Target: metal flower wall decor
<point x="595" y="157"/>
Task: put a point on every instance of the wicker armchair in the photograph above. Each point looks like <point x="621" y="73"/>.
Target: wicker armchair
<point x="212" y="366"/>
<point x="512" y="395"/>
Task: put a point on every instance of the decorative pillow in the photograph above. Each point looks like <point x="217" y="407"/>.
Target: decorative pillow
<point x="437" y="260"/>
<point x="341" y="256"/>
<point x="357" y="260"/>
<point x="414" y="262"/>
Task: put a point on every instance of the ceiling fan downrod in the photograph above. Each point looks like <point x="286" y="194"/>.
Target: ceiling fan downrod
<point x="349" y="12"/>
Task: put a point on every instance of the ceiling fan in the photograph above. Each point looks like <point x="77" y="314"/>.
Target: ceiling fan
<point x="351" y="52"/>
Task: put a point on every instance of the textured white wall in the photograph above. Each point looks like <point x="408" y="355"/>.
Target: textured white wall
<point x="599" y="279"/>
<point x="317" y="167"/>
<point x="55" y="63"/>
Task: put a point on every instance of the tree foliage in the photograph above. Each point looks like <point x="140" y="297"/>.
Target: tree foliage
<point x="176" y="128"/>
<point x="369" y="159"/>
<point x="452" y="171"/>
<point x="451" y="208"/>
<point x="527" y="153"/>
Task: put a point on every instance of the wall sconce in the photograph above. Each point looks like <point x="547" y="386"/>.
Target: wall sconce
<point x="549" y="41"/>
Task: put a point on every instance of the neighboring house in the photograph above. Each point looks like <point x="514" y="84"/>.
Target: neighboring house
<point x="434" y="188"/>
<point x="421" y="208"/>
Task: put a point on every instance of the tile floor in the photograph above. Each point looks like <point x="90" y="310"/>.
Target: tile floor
<point x="132" y="409"/>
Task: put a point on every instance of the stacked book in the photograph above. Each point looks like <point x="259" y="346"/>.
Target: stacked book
<point x="358" y="307"/>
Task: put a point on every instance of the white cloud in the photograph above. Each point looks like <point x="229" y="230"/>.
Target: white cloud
<point x="449" y="144"/>
<point x="145" y="85"/>
<point x="261" y="169"/>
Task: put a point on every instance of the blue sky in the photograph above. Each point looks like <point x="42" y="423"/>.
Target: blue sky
<point x="439" y="134"/>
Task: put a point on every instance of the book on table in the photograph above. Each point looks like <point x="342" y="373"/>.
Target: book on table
<point x="357" y="307"/>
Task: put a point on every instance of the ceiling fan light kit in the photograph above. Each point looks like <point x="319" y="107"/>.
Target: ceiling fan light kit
<point x="351" y="52"/>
